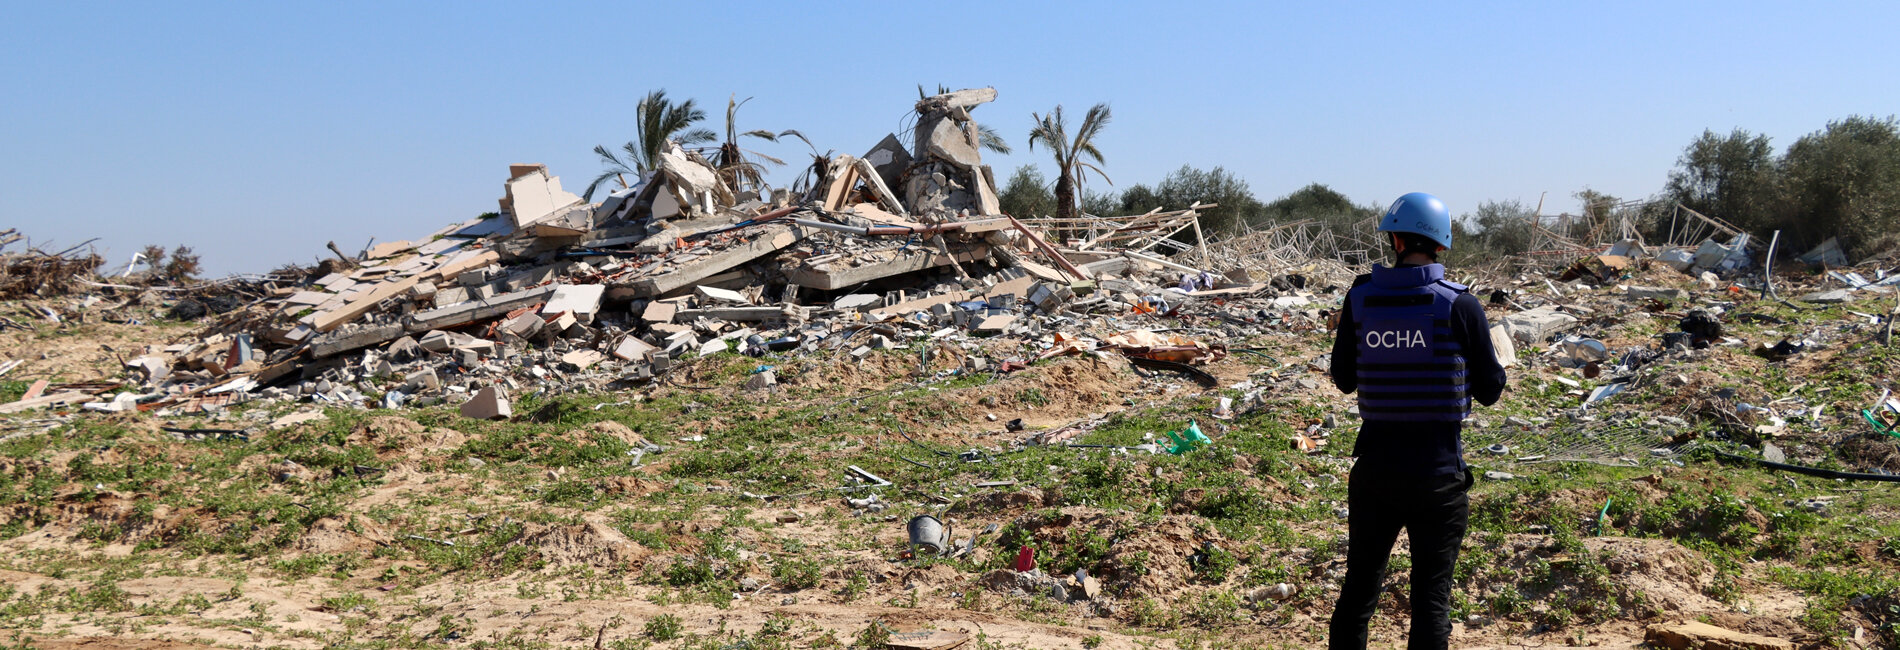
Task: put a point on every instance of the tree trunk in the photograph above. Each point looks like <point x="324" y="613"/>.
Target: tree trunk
<point x="1065" y="202"/>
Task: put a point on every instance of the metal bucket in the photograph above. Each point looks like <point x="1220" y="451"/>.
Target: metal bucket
<point x="926" y="531"/>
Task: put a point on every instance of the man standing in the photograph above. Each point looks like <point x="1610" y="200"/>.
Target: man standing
<point x="1417" y="349"/>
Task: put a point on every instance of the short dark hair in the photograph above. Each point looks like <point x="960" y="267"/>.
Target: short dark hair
<point x="1416" y="243"/>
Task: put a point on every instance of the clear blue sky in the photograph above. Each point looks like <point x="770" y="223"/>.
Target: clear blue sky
<point x="257" y="131"/>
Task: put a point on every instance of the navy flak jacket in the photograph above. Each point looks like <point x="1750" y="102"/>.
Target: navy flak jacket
<point x="1417" y="350"/>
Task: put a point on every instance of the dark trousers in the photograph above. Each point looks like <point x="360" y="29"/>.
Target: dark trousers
<point x="1433" y="511"/>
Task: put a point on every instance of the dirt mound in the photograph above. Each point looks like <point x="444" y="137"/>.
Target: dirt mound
<point x="604" y="431"/>
<point x="341" y="535"/>
<point x="995" y="502"/>
<point x="391" y="435"/>
<point x="76" y="512"/>
<point x="608" y="428"/>
<point x="874" y="372"/>
<point x="1666" y="574"/>
<point x="1132" y="558"/>
<point x="1066" y="385"/>
<point x="591" y="543"/>
<point x="1608" y="578"/>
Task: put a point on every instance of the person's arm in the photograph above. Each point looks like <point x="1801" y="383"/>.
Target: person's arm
<point x="1345" y="366"/>
<point x="1484" y="375"/>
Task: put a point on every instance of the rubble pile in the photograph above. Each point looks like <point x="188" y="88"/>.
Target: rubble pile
<point x="36" y="274"/>
<point x="906" y="246"/>
<point x="551" y="293"/>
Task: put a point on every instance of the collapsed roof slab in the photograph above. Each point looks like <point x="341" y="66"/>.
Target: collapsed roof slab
<point x="773" y="239"/>
<point x="831" y="279"/>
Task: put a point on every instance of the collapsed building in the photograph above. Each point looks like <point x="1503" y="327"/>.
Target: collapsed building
<point x="903" y="241"/>
<point x="903" y="246"/>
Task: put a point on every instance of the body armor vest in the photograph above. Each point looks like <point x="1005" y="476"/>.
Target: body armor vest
<point x="1411" y="368"/>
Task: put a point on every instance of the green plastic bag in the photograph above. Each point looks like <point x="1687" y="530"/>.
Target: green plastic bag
<point x="1188" y="440"/>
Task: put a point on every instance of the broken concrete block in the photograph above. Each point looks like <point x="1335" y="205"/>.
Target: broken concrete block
<point x="578" y="299"/>
<point x="525" y="325"/>
<point x="421" y="380"/>
<point x="476" y="277"/>
<point x="450" y="296"/>
<point x="582" y="359"/>
<point x="436" y="341"/>
<point x="949" y="141"/>
<point x="488" y="404"/>
<point x="535" y="196"/>
<point x="1532" y="327"/>
<point x="715" y="295"/>
<point x="659" y="312"/>
<point x="150" y="368"/>
<point x="761" y="381"/>
<point x="404" y="349"/>
<point x="1829" y="297"/>
<point x="1694" y="634"/>
<point x="632" y="349"/>
<point x="712" y="347"/>
<point x="1658" y="293"/>
<point x="994" y="324"/>
<point x="858" y="302"/>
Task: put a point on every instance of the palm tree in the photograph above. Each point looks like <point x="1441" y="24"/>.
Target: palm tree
<point x="730" y="160"/>
<point x="986" y="137"/>
<point x="660" y="120"/>
<point x="1052" y="131"/>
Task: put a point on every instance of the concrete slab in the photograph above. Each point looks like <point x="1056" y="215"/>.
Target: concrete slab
<point x="690" y="273"/>
<point x="535" y="196"/>
<point x="715" y="295"/>
<point x="578" y="299"/>
<point x="994" y="324"/>
<point x="1533" y="327"/>
<point x="659" y="312"/>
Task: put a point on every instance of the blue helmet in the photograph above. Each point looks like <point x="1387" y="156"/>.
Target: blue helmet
<point x="1420" y="214"/>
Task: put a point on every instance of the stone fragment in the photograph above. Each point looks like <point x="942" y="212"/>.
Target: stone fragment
<point x="488" y="404"/>
<point x="1657" y="293"/>
<point x="659" y="312"/>
<point x="1534" y="326"/>
<point x="761" y="381"/>
<point x="1829" y="297"/>
<point x="1694" y="634"/>
<point x="582" y="359"/>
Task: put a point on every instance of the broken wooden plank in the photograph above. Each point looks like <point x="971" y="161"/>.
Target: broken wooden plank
<point x="1049" y="251"/>
<point x="56" y="399"/>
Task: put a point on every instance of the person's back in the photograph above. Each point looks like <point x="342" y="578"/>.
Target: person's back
<point x="1417" y="350"/>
